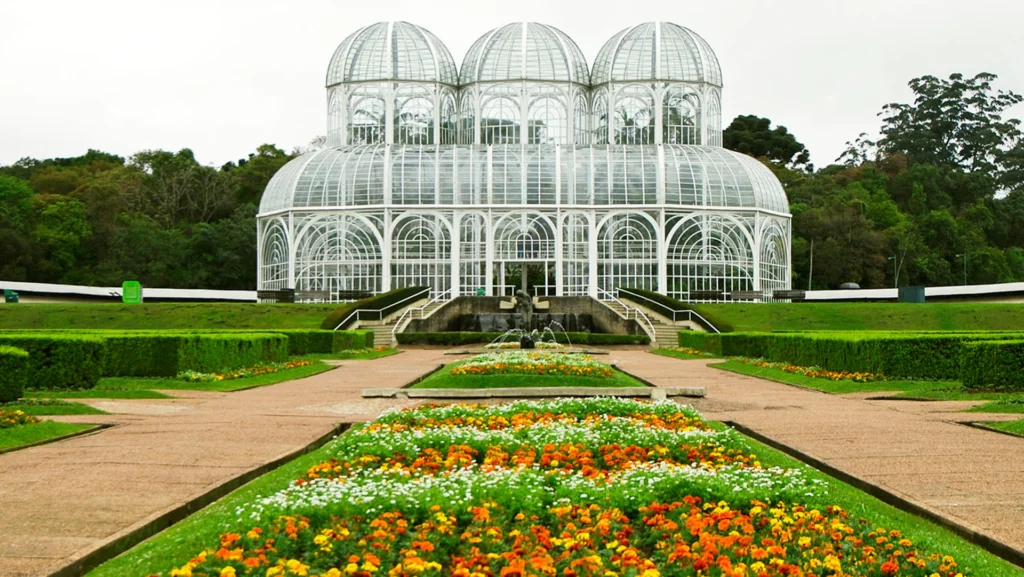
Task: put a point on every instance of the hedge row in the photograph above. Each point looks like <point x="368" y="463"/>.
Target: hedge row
<point x="466" y="338"/>
<point x="665" y="305"/>
<point x="382" y="301"/>
<point x="13" y="373"/>
<point x="78" y="359"/>
<point x="906" y="355"/>
<point x="993" y="365"/>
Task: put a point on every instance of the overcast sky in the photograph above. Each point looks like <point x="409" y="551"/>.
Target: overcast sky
<point x="222" y="77"/>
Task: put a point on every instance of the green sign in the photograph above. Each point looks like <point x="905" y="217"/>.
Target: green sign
<point x="10" y="296"/>
<point x="481" y="292"/>
<point x="131" y="292"/>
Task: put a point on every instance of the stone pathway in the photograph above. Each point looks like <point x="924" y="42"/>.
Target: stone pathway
<point x="918" y="451"/>
<point x="59" y="502"/>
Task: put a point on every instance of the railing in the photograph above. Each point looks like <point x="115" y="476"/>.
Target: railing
<point x="506" y="290"/>
<point x="409" y="312"/>
<point x="637" y="314"/>
<point x="675" y="315"/>
<point x="381" y="313"/>
<point x="545" y="290"/>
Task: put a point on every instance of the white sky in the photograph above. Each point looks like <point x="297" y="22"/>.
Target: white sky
<point x="224" y="76"/>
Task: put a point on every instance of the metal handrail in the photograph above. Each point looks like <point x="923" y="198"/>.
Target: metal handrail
<point x="637" y="313"/>
<point x="689" y="312"/>
<point x="409" y="311"/>
<point x="380" y="312"/>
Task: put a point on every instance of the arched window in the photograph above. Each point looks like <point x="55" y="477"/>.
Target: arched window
<point x="467" y="117"/>
<point x="708" y="257"/>
<point x="548" y="123"/>
<point x="581" y="119"/>
<point x="421" y="254"/>
<point x="449" y="122"/>
<point x="335" y="116"/>
<point x="575" y="255"/>
<point x="472" y="253"/>
<point x="500" y="117"/>
<point x="600" y="121"/>
<point x="274" y="264"/>
<point x="338" y="253"/>
<point x="627" y="252"/>
<point x="714" y="119"/>
<point x="680" y="118"/>
<point x="774" y="258"/>
<point x="367" y="118"/>
<point x="633" y="117"/>
<point x="414" y="116"/>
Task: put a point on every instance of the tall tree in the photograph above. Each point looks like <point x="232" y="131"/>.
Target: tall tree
<point x="755" y="136"/>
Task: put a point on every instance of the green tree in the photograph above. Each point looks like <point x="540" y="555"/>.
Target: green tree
<point x="250" y="176"/>
<point x="755" y="136"/>
<point x="16" y="248"/>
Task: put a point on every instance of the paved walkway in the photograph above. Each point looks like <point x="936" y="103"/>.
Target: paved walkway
<point x="916" y="450"/>
<point x="59" y="502"/>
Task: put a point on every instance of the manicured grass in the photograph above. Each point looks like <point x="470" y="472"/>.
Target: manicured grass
<point x="37" y="407"/>
<point x="140" y="384"/>
<point x="868" y="316"/>
<point x="1015" y="427"/>
<point x="163" y="316"/>
<point x="909" y="388"/>
<point x="180" y="542"/>
<point x="681" y="355"/>
<point x="15" y="437"/>
<point x="922" y="532"/>
<point x="101" y="391"/>
<point x="353" y="355"/>
<point x="443" y="379"/>
<point x="1010" y="406"/>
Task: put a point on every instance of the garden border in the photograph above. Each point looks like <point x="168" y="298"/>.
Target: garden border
<point x="990" y="544"/>
<point x="983" y="426"/>
<point x="93" y="428"/>
<point x="112" y="549"/>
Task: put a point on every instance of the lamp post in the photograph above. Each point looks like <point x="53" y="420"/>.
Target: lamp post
<point x="965" y="266"/>
<point x="895" y="273"/>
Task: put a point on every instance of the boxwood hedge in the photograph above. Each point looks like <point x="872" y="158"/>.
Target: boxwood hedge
<point x="59" y="361"/>
<point x="993" y="365"/>
<point x="13" y="373"/>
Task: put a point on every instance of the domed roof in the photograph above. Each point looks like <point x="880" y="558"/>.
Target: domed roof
<point x="656" y="51"/>
<point x="525" y="51"/>
<point x="392" y="51"/>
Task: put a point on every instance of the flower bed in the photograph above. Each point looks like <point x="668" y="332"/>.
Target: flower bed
<point x="194" y="377"/>
<point x="602" y="487"/>
<point x="816" y="372"/>
<point x="526" y="363"/>
<point x="10" y="419"/>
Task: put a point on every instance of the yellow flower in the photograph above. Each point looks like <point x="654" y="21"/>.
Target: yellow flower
<point x="227" y="572"/>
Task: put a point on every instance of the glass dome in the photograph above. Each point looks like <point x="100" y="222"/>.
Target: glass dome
<point x="392" y="51"/>
<point x="657" y="51"/>
<point x="525" y="51"/>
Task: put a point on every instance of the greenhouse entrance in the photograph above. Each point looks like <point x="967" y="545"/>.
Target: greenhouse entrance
<point x="537" y="278"/>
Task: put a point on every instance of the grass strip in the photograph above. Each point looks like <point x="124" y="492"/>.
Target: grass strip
<point x="351" y="355"/>
<point x="681" y="355"/>
<point x="22" y="435"/>
<point x="142" y="384"/>
<point x="1014" y="427"/>
<point x="100" y="392"/>
<point x="443" y="379"/>
<point x="41" y="407"/>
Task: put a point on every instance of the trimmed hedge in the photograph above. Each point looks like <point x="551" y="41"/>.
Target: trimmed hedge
<point x="313" y="341"/>
<point x="376" y="302"/>
<point x="465" y="338"/>
<point x="993" y="365"/>
<point x="166" y="355"/>
<point x="13" y="373"/>
<point x="59" y="361"/>
<point x="906" y="355"/>
<point x="669" y="304"/>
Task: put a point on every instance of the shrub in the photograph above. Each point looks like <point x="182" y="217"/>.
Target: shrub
<point x="665" y="305"/>
<point x="13" y="373"/>
<point x="349" y="340"/>
<point x="218" y="352"/>
<point x="993" y="365"/>
<point x="465" y="338"/>
<point x="377" y="302"/>
<point x="59" y="361"/>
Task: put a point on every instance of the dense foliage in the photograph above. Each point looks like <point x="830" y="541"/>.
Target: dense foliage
<point x="13" y="372"/>
<point x="938" y="199"/>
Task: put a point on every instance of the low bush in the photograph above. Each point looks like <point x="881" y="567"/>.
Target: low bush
<point x="466" y="338"/>
<point x="59" y="361"/>
<point x="665" y="305"/>
<point x="993" y="365"/>
<point x="218" y="352"/>
<point x="13" y="373"/>
<point x="352" y="340"/>
<point x="314" y="341"/>
<point x="893" y="354"/>
<point x="382" y="301"/>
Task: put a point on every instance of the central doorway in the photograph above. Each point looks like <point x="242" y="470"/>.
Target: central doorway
<point x="537" y="278"/>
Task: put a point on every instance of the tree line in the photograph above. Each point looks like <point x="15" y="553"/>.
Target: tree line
<point x="937" y="199"/>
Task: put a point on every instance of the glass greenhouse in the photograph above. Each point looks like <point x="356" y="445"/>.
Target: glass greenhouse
<point x="525" y="168"/>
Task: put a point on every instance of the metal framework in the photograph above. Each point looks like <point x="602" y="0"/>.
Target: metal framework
<point x="596" y="181"/>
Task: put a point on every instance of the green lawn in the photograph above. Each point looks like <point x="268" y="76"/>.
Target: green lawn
<point x="38" y="407"/>
<point x="443" y="379"/>
<point x="99" y="392"/>
<point x="19" y="436"/>
<point x="867" y="316"/>
<point x="130" y="384"/>
<point x="1015" y="427"/>
<point x="180" y="542"/>
<point x="681" y="355"/>
<point x="353" y="355"/>
<point x="163" y="316"/>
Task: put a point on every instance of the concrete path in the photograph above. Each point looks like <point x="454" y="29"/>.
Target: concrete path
<point x="59" y="502"/>
<point x="918" y="451"/>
